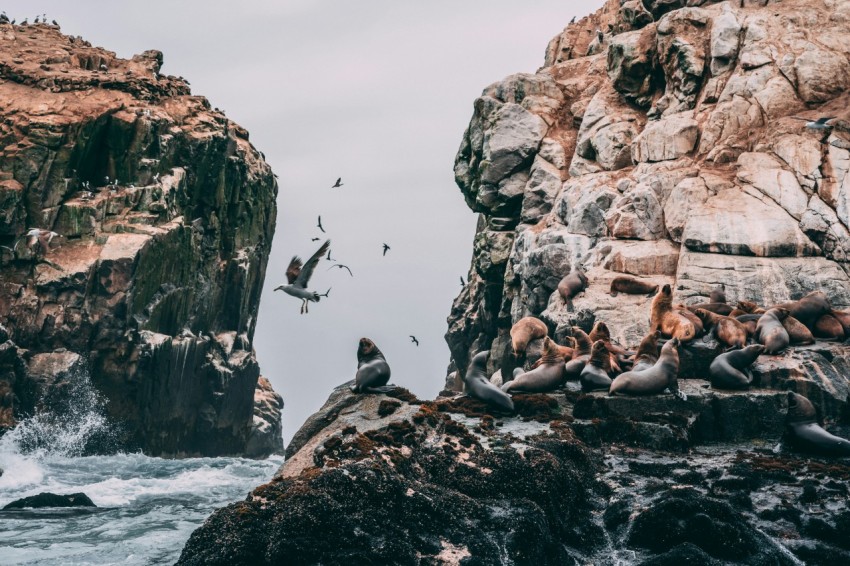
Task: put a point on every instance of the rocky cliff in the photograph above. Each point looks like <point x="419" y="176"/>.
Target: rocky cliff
<point x="164" y="215"/>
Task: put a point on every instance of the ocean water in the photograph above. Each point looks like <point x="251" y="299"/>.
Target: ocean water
<point x="147" y="507"/>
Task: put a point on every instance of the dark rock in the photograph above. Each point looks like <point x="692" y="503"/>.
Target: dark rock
<point x="52" y="500"/>
<point x="686" y="553"/>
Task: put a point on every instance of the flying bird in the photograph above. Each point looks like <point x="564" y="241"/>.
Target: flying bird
<point x="298" y="276"/>
<point x="341" y="266"/>
<point x="315" y="239"/>
<point x="386" y="249"/>
<point x="414" y="340"/>
<point x="37" y="239"/>
<point x="329" y="258"/>
<point x="337" y="184"/>
<point x="319" y="225"/>
<point x="819" y="124"/>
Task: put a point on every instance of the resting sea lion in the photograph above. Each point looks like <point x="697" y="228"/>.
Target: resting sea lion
<point x="808" y="309"/>
<point x="797" y="331"/>
<point x="524" y="331"/>
<point x="771" y="333"/>
<point x="844" y="318"/>
<point x="747" y="307"/>
<point x="547" y="377"/>
<point x="373" y="371"/>
<point x="477" y="386"/>
<point x="717" y="308"/>
<point x="583" y="347"/>
<point x="727" y="330"/>
<point x="718" y="295"/>
<point x="829" y="328"/>
<point x="805" y="433"/>
<point x="749" y="321"/>
<point x="632" y="286"/>
<point x="647" y="353"/>
<point x="571" y="285"/>
<point x="727" y="370"/>
<point x="662" y="375"/>
<point x="594" y="376"/>
<point x="671" y="322"/>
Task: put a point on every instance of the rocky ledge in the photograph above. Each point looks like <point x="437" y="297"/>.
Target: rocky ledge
<point x="164" y="214"/>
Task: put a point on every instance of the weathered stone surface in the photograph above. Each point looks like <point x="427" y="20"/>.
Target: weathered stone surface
<point x="821" y="74"/>
<point x="168" y="251"/>
<point x="669" y="138"/>
<point x="657" y="257"/>
<point x="725" y="40"/>
<point x="266" y="436"/>
<point x="631" y="62"/>
<point x="637" y="215"/>
<point x="766" y="174"/>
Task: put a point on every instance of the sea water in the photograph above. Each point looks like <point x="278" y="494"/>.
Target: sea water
<point x="147" y="507"/>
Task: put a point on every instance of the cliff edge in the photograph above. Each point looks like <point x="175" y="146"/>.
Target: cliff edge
<point x="163" y="214"/>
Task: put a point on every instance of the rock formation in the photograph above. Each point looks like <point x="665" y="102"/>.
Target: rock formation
<point x="165" y="214"/>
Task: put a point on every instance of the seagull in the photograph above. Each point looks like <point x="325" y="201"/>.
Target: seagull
<point x="298" y="276"/>
<point x="36" y="20"/>
<point x="462" y="284"/>
<point x="337" y="184"/>
<point x="315" y="239"/>
<point x="572" y="21"/>
<point x="414" y="340"/>
<point x="819" y="124"/>
<point x="329" y="258"/>
<point x="386" y="249"/>
<point x="319" y="225"/>
<point x="37" y="237"/>
<point x="341" y="266"/>
<point x="55" y="23"/>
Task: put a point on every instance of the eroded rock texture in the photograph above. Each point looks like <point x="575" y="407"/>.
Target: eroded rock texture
<point x="166" y="214"/>
<point x="667" y="150"/>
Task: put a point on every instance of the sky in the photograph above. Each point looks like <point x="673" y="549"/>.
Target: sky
<point x="378" y="92"/>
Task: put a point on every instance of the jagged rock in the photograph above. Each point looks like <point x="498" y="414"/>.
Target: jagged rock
<point x="266" y="436"/>
<point x="173" y="239"/>
<point x="51" y="500"/>
<point x="725" y="40"/>
<point x="654" y="257"/>
<point x="634" y="13"/>
<point x="687" y="197"/>
<point x="682" y="39"/>
<point x="543" y="186"/>
<point x="637" y="215"/>
<point x="821" y="74"/>
<point x="766" y="174"/>
<point x="669" y="138"/>
<point x="631" y="62"/>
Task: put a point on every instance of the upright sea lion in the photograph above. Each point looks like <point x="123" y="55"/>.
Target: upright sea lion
<point x="829" y="328"/>
<point x="718" y="295"/>
<point x="524" y="331"/>
<point x="571" y="285"/>
<point x="808" y="309"/>
<point x="717" y="308"/>
<point x="727" y="330"/>
<point x="662" y="375"/>
<point x="632" y="286"/>
<point x="594" y="376"/>
<point x="647" y="353"/>
<point x="547" y="377"/>
<point x="573" y="367"/>
<point x="600" y="331"/>
<point x="477" y="386"/>
<point x="727" y="370"/>
<point x="373" y="371"/>
<point x="567" y="351"/>
<point x="671" y="323"/>
<point x="805" y="433"/>
<point x="771" y="333"/>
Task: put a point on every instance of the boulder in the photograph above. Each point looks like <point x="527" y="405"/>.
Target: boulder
<point x="631" y="63"/>
<point x="669" y="138"/>
<point x="51" y="500"/>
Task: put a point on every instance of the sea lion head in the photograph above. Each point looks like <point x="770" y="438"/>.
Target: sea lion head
<point x="781" y="313"/>
<point x="366" y="348"/>
<point x="747" y="306"/>
<point x="548" y="346"/>
<point x="800" y="409"/>
<point x="598" y="346"/>
<point x="675" y="342"/>
<point x="666" y="290"/>
<point x="480" y="359"/>
<point x="756" y="348"/>
<point x="600" y="328"/>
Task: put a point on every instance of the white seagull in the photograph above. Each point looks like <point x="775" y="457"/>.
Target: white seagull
<point x="298" y="276"/>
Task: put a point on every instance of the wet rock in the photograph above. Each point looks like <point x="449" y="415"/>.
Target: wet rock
<point x="51" y="500"/>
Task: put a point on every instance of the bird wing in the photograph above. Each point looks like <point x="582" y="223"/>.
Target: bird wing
<point x="307" y="270"/>
<point x="293" y="270"/>
<point x="338" y="181"/>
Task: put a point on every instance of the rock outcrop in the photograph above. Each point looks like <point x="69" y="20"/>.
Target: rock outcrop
<point x="164" y="213"/>
<point x="672" y="150"/>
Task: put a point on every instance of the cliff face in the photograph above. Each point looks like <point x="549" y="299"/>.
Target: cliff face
<point x="165" y="215"/>
<point x="664" y="147"/>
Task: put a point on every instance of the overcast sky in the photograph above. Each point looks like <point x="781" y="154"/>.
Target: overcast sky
<point x="376" y="91"/>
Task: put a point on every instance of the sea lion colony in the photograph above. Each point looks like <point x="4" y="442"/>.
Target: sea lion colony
<point x="746" y="331"/>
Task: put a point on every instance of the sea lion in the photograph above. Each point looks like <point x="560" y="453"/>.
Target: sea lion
<point x="524" y="331"/>
<point x="746" y="307"/>
<point x="571" y="285"/>
<point x="671" y="323"/>
<point x="632" y="286"/>
<point x="662" y="375"/>
<point x="749" y="321"/>
<point x="808" y="309"/>
<point x="844" y="318"/>
<point x="477" y="386"/>
<point x="717" y="308"/>
<point x="805" y="433"/>
<point x="727" y="330"/>
<point x="373" y="371"/>
<point x="771" y="333"/>
<point x="546" y="377"/>
<point x="647" y="353"/>
<point x="695" y="320"/>
<point x="797" y="331"/>
<point x="829" y="328"/>
<point x="567" y="351"/>
<point x="727" y="370"/>
<point x="594" y="376"/>
<point x="718" y="295"/>
<point x="583" y="347"/>
<point x="600" y="331"/>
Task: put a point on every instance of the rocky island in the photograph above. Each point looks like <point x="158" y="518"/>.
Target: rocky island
<point x="162" y="214"/>
<point x="675" y="142"/>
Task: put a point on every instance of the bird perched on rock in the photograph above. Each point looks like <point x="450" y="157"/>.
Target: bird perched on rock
<point x="298" y="276"/>
<point x="414" y="340"/>
<point x="337" y="184"/>
<point x="341" y="266"/>
<point x="386" y="249"/>
<point x="37" y="239"/>
<point x="462" y="283"/>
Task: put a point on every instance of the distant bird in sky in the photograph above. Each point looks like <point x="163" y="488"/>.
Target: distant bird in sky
<point x="341" y="266"/>
<point x="329" y="258"/>
<point x="462" y="284"/>
<point x="319" y="225"/>
<point x="315" y="239"/>
<point x="819" y="124"/>
<point x="414" y="340"/>
<point x="298" y="276"/>
<point x="337" y="184"/>
<point x="386" y="249"/>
